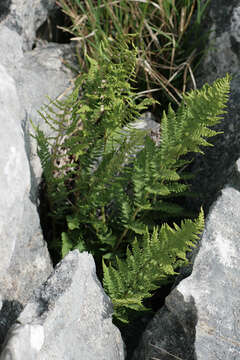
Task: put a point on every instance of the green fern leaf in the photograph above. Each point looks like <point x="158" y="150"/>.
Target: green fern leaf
<point x="66" y="244"/>
<point x="149" y="263"/>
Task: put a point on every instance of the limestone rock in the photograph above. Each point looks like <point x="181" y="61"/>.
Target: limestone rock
<point x="22" y="246"/>
<point x="25" y="261"/>
<point x="69" y="317"/>
<point x="26" y="79"/>
<point x="213" y="170"/>
<point x="25" y="17"/>
<point x="222" y="51"/>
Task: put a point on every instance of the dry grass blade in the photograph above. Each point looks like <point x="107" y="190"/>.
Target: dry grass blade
<point x="152" y="34"/>
<point x="160" y="79"/>
<point x="142" y="93"/>
<point x="166" y="352"/>
<point x="85" y="37"/>
<point x="188" y="68"/>
<point x="158" y="27"/>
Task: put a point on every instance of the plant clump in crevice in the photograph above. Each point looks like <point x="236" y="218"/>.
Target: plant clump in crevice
<point x="105" y="179"/>
<point x="73" y="227"/>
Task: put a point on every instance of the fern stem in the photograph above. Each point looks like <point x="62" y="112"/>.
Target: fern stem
<point x="124" y="233"/>
<point x="103" y="215"/>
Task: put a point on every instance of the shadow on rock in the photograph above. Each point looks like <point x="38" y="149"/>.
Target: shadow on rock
<point x="158" y="343"/>
<point x="8" y="314"/>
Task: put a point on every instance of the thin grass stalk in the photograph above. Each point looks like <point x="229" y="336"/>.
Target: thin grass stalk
<point x="166" y="352"/>
<point x="158" y="44"/>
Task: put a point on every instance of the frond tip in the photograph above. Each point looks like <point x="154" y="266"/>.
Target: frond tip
<point x="187" y="130"/>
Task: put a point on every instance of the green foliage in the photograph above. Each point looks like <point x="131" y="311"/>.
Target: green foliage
<point x="105" y="179"/>
<point x="91" y="149"/>
<point x="149" y="264"/>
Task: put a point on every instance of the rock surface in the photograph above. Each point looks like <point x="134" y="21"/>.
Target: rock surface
<point x="214" y="168"/>
<point x="24" y="17"/>
<point x="26" y="79"/>
<point x="24" y="87"/>
<point x="25" y="261"/>
<point x="69" y="317"/>
<point x="223" y="19"/>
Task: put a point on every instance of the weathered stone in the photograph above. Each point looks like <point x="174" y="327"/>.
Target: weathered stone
<point x="25" y="261"/>
<point x="10" y="47"/>
<point x="41" y="75"/>
<point x="214" y="168"/>
<point x="25" y="17"/>
<point x="147" y="122"/>
<point x="200" y="319"/>
<point x="69" y="317"/>
<point x="222" y="54"/>
<point x="24" y="342"/>
<point x="26" y="80"/>
<point x="21" y="95"/>
<point x="19" y="222"/>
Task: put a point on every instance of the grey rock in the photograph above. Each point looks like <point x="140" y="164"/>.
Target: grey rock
<point x="10" y="47"/>
<point x="222" y="51"/>
<point x="26" y="80"/>
<point x="214" y="168"/>
<point x="24" y="342"/>
<point x="147" y="122"/>
<point x="200" y="319"/>
<point x="25" y="261"/>
<point x="69" y="317"/>
<point x="24" y="254"/>
<point x="41" y="75"/>
<point x="25" y="17"/>
<point x="22" y="93"/>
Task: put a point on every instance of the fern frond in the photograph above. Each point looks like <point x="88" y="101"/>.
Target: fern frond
<point x="149" y="263"/>
<point x="43" y="151"/>
<point x="185" y="131"/>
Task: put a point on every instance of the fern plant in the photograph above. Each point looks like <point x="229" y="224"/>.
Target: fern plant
<point x="105" y="179"/>
<point x="148" y="264"/>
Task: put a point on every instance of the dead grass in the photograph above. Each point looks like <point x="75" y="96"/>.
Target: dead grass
<point x="158" y="30"/>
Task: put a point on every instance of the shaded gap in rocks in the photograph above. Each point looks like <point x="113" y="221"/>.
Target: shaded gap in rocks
<point x="133" y="331"/>
<point x="46" y="222"/>
<point x="4" y="8"/>
<point x="49" y="31"/>
<point x="172" y="333"/>
<point x="8" y="315"/>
